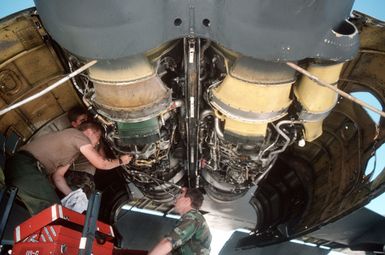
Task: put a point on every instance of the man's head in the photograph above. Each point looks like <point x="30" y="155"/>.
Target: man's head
<point x="92" y="130"/>
<point x="188" y="199"/>
<point x="77" y="116"/>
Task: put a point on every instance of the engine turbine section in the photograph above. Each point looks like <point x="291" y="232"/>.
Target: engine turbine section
<point x="245" y="141"/>
<point x="130" y="93"/>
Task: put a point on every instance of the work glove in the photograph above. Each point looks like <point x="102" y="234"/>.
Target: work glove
<point x="76" y="201"/>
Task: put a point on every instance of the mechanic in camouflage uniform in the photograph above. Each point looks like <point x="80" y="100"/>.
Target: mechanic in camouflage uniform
<point x="191" y="235"/>
<point x="81" y="174"/>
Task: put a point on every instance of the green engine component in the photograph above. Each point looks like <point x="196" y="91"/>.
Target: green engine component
<point x="138" y="133"/>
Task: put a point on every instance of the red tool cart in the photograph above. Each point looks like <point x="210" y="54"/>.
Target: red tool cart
<point x="58" y="230"/>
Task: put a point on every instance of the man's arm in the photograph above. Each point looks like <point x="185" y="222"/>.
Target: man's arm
<point x="162" y="248"/>
<point x="178" y="236"/>
<point x="100" y="149"/>
<point x="99" y="162"/>
<point x="59" y="180"/>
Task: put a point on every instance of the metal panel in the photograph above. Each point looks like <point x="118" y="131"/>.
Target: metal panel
<point x="360" y="227"/>
<point x="286" y="248"/>
<point x="271" y="30"/>
<point x="28" y="65"/>
<point x="142" y="231"/>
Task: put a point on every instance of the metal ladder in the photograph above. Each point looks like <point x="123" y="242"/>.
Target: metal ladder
<point x="7" y="197"/>
<point x="88" y="234"/>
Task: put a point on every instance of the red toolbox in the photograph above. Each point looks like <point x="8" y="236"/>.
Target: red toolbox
<point x="58" y="230"/>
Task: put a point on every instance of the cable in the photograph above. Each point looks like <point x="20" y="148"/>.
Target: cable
<point x="159" y="182"/>
<point x="340" y="92"/>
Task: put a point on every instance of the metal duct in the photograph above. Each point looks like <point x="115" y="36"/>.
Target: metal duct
<point x="253" y="94"/>
<point x="129" y="90"/>
<point x="317" y="101"/>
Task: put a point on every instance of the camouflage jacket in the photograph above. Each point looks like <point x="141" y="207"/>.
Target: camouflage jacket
<point x="191" y="235"/>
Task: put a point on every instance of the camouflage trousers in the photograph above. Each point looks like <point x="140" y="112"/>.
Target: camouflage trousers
<point x="83" y="180"/>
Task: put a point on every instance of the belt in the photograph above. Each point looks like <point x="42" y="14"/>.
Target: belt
<point x="39" y="165"/>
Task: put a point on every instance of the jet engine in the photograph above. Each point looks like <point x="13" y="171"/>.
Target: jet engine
<point x="241" y="131"/>
<point x="198" y="108"/>
<point x="205" y="94"/>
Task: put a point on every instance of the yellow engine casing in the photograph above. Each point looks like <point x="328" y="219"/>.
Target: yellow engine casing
<point x="129" y="89"/>
<point x="316" y="100"/>
<point x="253" y="94"/>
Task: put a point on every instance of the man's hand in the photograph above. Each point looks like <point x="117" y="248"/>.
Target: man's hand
<point x="162" y="248"/>
<point x="125" y="159"/>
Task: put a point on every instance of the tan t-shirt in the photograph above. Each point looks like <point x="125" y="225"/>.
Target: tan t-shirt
<point x="58" y="148"/>
<point x="82" y="164"/>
